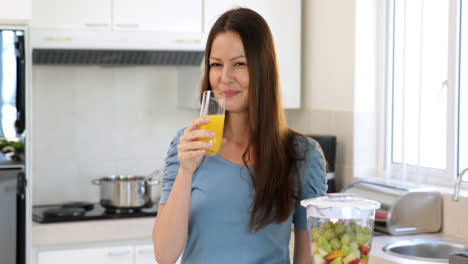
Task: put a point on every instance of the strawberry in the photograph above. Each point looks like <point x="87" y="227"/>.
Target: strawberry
<point x="356" y="261"/>
<point x="364" y="250"/>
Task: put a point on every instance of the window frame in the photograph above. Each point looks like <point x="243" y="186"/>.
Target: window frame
<point x="404" y="172"/>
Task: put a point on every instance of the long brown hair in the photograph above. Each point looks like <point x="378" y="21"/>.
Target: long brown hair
<point x="274" y="181"/>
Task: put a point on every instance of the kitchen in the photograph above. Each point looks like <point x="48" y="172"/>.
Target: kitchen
<point x="85" y="122"/>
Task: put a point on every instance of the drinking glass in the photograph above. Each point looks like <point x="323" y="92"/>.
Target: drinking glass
<point x="213" y="107"/>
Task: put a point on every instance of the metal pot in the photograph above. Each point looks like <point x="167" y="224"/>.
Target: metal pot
<point x="127" y="192"/>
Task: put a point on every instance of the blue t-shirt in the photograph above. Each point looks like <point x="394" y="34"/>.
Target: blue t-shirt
<point x="219" y="209"/>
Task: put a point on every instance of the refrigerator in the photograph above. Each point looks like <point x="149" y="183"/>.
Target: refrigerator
<point x="12" y="138"/>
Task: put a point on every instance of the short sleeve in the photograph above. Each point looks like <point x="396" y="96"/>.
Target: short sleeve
<point x="171" y="168"/>
<point x="312" y="172"/>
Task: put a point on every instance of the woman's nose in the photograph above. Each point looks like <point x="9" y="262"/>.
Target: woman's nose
<point x="226" y="76"/>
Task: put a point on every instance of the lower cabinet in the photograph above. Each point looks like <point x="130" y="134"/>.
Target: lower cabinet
<point x="105" y="255"/>
<point x="131" y="254"/>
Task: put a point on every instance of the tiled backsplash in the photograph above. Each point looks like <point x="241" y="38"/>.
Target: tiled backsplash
<point x="90" y="122"/>
<point x="356" y="148"/>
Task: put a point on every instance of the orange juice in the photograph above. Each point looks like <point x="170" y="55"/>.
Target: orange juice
<point x="215" y="125"/>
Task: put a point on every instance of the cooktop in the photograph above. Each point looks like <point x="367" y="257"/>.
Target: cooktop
<point x="82" y="211"/>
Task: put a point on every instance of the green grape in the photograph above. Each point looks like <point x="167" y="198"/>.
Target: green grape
<point x="359" y="229"/>
<point x="329" y="234"/>
<point x="340" y="229"/>
<point x="361" y="238"/>
<point x="335" y="243"/>
<point x="353" y="226"/>
<point x="345" y="250"/>
<point x="367" y="230"/>
<point x="353" y="245"/>
<point x="317" y="234"/>
<point x="328" y="224"/>
<point x="345" y="239"/>
<point x="313" y="230"/>
<point x="348" y="229"/>
<point x="324" y="244"/>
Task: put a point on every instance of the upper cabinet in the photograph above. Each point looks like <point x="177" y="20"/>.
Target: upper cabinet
<point x="72" y="14"/>
<point x="158" y="15"/>
<point x="148" y="15"/>
<point x="15" y="10"/>
<point x="284" y="19"/>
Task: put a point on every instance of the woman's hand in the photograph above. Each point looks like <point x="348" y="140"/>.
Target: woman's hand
<point x="191" y="151"/>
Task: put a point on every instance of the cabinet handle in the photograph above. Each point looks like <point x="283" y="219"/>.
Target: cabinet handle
<point x="96" y="24"/>
<point x="128" y="25"/>
<point x="119" y="253"/>
<point x="145" y="252"/>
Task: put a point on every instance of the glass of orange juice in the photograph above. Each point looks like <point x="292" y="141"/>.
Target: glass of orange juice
<point x="213" y="107"/>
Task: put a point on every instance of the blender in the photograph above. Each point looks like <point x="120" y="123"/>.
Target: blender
<point x="340" y="228"/>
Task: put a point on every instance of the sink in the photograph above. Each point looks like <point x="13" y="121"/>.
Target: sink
<point x="426" y="250"/>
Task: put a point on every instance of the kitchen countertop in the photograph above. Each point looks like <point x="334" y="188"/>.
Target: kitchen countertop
<point x="378" y="256"/>
<point x="134" y="229"/>
<point x="85" y="232"/>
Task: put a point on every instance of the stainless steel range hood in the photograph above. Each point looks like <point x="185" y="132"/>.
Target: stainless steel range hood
<point x="65" y="47"/>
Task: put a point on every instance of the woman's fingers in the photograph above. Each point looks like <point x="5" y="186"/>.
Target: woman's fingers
<point x="194" y="145"/>
<point x="193" y="135"/>
<point x="191" y="154"/>
<point x="196" y="123"/>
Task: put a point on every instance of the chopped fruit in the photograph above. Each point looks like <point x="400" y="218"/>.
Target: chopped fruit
<point x="322" y="252"/>
<point x="351" y="257"/>
<point x="318" y="259"/>
<point x="343" y="239"/>
<point x="314" y="247"/>
<point x="335" y="254"/>
<point x="363" y="261"/>
<point x="364" y="250"/>
<point x="336" y="261"/>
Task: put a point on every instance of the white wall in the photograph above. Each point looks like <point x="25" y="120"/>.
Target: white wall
<point x="339" y="83"/>
<point x="91" y="122"/>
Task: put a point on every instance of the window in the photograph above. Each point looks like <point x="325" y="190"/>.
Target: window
<point x="463" y="90"/>
<point x="429" y="94"/>
<point x="8" y="83"/>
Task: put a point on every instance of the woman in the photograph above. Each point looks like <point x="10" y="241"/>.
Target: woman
<point x="238" y="206"/>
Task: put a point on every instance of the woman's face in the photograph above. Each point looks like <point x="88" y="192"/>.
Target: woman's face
<point x="228" y="70"/>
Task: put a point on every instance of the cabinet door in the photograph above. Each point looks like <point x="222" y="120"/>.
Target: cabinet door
<point x="144" y="254"/>
<point x="284" y="20"/>
<point x="110" y="255"/>
<point x="15" y="10"/>
<point x="158" y="15"/>
<point x="72" y="14"/>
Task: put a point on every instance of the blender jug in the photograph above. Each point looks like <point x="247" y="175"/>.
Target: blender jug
<point x="340" y="228"/>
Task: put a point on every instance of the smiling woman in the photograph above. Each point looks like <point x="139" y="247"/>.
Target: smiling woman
<point x="238" y="206"/>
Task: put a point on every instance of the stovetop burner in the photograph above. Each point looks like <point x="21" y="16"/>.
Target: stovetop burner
<point x="79" y="211"/>
<point x="122" y="210"/>
<point x="64" y="212"/>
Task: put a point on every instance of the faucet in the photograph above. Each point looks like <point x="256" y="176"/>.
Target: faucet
<point x="456" y="193"/>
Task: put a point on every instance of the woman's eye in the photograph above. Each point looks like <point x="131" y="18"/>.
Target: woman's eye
<point x="215" y="64"/>
<point x="240" y="64"/>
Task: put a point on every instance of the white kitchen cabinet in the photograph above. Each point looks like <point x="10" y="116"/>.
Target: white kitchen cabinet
<point x="15" y="10"/>
<point x="144" y="254"/>
<point x="72" y="14"/>
<point x="109" y="255"/>
<point x="158" y="15"/>
<point x="284" y="19"/>
<point x="145" y="15"/>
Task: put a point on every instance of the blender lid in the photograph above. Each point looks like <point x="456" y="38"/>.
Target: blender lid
<point x="341" y="200"/>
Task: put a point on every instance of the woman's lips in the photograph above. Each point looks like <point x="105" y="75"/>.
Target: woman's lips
<point x="231" y="93"/>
